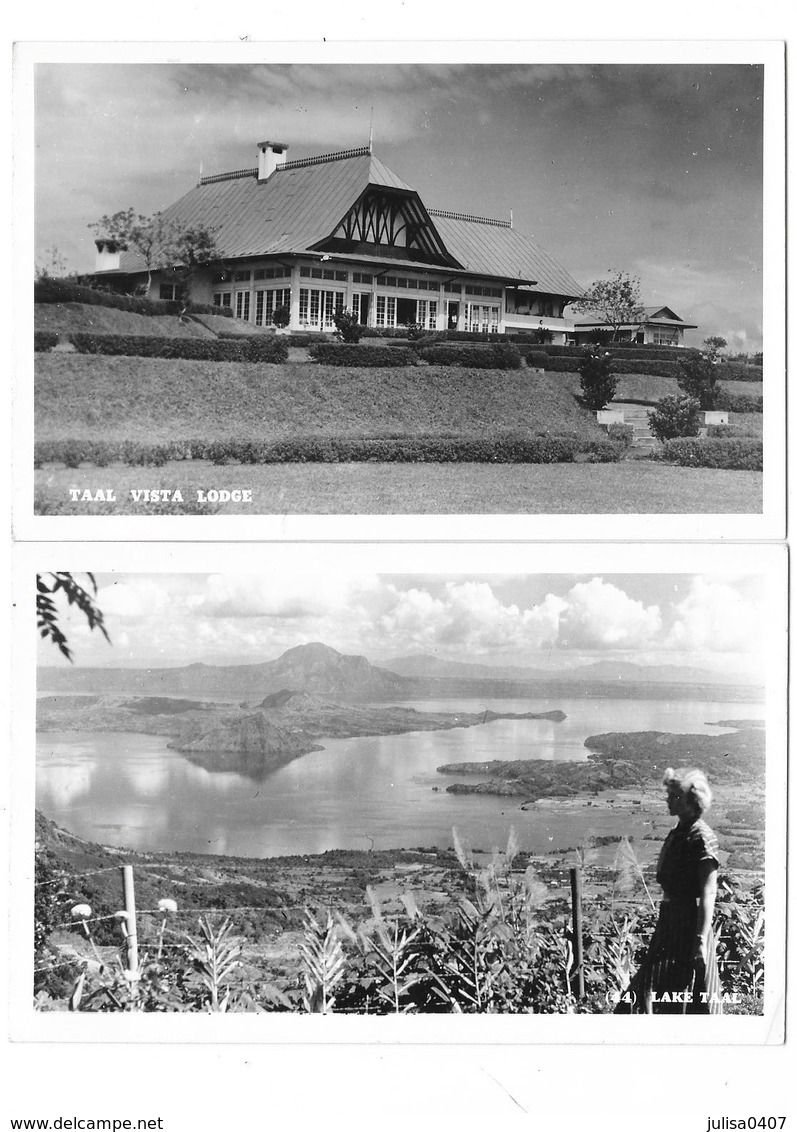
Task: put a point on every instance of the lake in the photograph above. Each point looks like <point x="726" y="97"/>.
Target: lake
<point x="131" y="790"/>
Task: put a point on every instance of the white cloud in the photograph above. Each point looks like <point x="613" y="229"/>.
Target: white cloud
<point x="600" y="615"/>
<point x="714" y="616"/>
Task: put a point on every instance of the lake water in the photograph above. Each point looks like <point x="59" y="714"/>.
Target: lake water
<point x="131" y="790"/>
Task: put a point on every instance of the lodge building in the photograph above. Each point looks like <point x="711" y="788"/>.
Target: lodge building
<point x="341" y="231"/>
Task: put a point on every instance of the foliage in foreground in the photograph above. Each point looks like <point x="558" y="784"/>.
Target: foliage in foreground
<point x="500" y="947"/>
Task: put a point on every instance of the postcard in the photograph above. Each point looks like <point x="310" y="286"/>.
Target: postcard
<point x="543" y="789"/>
<point x="362" y="293"/>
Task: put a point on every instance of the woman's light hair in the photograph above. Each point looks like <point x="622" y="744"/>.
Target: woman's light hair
<point x="692" y="783"/>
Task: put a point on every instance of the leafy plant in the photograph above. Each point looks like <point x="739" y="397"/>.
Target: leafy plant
<point x="324" y="964"/>
<point x="281" y="316"/>
<point x="348" y="328"/>
<point x="675" y="417"/>
<point x="598" y="385"/>
<point x="617" y="299"/>
<point x="700" y="378"/>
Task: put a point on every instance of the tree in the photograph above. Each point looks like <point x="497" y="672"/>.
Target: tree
<point x="281" y="316"/>
<point x="617" y="299"/>
<point x="699" y="377"/>
<point x="53" y="267"/>
<point x="714" y="345"/>
<point x="598" y="383"/>
<point x="47" y="585"/>
<point x="675" y="416"/>
<point x="161" y="243"/>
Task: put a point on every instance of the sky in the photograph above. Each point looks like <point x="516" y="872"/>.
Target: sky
<point x="556" y="621"/>
<point x="651" y="169"/>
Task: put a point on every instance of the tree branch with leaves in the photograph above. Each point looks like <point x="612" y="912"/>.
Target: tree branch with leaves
<point x="48" y="586"/>
<point x="617" y="299"/>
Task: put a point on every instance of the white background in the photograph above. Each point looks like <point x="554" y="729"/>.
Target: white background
<point x="228" y="1087"/>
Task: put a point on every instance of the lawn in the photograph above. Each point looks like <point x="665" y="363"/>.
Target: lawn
<point x="632" y="487"/>
<point x="114" y="398"/>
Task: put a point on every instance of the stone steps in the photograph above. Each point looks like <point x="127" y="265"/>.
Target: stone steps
<point x="637" y="417"/>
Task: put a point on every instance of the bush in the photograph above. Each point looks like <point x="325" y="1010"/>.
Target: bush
<point x="281" y="316"/>
<point x="733" y="371"/>
<point x="303" y="338"/>
<point x="495" y="356"/>
<point x="605" y="451"/>
<point x="534" y="357"/>
<point x="674" y="417"/>
<point x="699" y="378"/>
<point x="598" y="385"/>
<point x="44" y="340"/>
<point x="67" y="291"/>
<point x="742" y="454"/>
<point x="508" y="448"/>
<point x="256" y="348"/>
<point x="347" y="327"/>
<point x="345" y="354"/>
<point x="654" y="367"/>
<point x="621" y="434"/>
<point x="740" y="403"/>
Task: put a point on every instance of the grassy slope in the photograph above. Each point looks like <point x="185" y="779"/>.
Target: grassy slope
<point x="632" y="487"/>
<point x="66" y="317"/>
<point x="152" y="399"/>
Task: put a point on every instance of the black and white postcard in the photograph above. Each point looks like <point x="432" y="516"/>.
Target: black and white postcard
<point x="380" y="297"/>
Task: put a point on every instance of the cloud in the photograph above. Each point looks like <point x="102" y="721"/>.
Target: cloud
<point x="600" y="615"/>
<point x="715" y="616"/>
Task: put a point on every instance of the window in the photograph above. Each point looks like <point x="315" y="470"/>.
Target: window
<point x="242" y="305"/>
<point x="169" y="291"/>
<point x="317" y="308"/>
<point x="242" y="276"/>
<point x="665" y="337"/>
<point x="482" y="319"/>
<point x="266" y="303"/>
<point x="359" y="277"/>
<point x="427" y="314"/>
<point x="222" y="299"/>
<point x="385" y="310"/>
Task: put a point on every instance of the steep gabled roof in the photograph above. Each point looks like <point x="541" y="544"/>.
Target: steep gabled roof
<point x="302" y="203"/>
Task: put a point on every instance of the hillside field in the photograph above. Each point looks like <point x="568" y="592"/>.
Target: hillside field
<point x="85" y="396"/>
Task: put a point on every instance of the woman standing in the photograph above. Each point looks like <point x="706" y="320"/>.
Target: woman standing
<point x="679" y="973"/>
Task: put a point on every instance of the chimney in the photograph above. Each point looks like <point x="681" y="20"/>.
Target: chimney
<point x="269" y="156"/>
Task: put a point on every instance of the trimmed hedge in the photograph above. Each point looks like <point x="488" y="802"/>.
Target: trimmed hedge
<point x="308" y="338"/>
<point x="385" y="332"/>
<point x="648" y="353"/>
<point x="734" y="371"/>
<point x="67" y="291"/>
<point x="741" y="454"/>
<point x="44" y="340"/>
<point x="496" y="356"/>
<point x="345" y="354"/>
<point x="740" y="402"/>
<point x="509" y="448"/>
<point x="255" y="348"/>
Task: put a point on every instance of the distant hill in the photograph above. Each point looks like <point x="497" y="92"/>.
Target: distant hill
<point x="422" y="665"/>
<point x="315" y="668"/>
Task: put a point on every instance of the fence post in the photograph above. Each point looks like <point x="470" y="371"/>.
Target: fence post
<point x="578" y="939"/>
<point x="130" y="908"/>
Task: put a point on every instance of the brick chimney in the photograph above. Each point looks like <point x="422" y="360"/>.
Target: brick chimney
<point x="269" y="156"/>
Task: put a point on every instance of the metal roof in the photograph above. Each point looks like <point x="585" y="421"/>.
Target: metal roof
<point x="653" y="315"/>
<point x="302" y="203"/>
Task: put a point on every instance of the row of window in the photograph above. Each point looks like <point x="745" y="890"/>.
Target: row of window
<point x="323" y="273"/>
<point x="488" y="292"/>
<point x="318" y="308"/>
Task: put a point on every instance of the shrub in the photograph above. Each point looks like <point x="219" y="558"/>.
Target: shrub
<point x="654" y="367"/>
<point x="675" y="416"/>
<point x="44" y="340"/>
<point x="303" y="338"/>
<point x="740" y="403"/>
<point x="47" y="290"/>
<point x="742" y="454"/>
<point x="598" y="385"/>
<point x="699" y="378"/>
<point x="621" y="434"/>
<point x="347" y="327"/>
<point x="346" y="354"/>
<point x="605" y="451"/>
<point x="281" y="316"/>
<point x="493" y="356"/>
<point x="733" y="371"/>
<point x="255" y="348"/>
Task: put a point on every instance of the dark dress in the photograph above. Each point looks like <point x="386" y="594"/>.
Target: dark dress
<point x="669" y="981"/>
